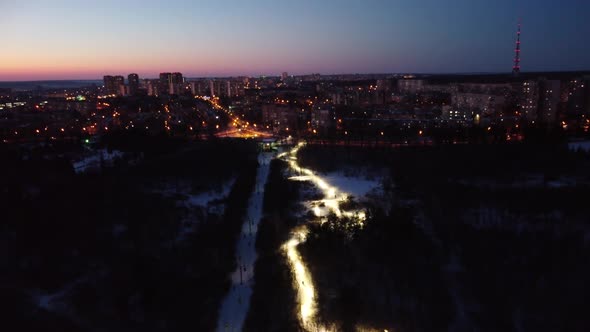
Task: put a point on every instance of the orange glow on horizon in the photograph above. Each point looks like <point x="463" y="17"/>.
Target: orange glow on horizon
<point x="15" y="65"/>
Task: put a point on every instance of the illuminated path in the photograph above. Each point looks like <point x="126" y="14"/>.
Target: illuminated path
<point x="234" y="307"/>
<point x="306" y="292"/>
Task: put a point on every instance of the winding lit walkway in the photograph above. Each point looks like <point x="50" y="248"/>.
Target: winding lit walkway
<point x="306" y="292"/>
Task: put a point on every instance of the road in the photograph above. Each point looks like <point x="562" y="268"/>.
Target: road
<point x="239" y="128"/>
<point x="234" y="307"/>
<point x="243" y="133"/>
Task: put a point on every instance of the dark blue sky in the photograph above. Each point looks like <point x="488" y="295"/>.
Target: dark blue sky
<point x="83" y="39"/>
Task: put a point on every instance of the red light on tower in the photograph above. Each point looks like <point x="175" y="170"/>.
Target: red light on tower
<point x="516" y="67"/>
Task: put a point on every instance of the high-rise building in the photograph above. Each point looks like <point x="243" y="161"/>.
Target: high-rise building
<point x="237" y="88"/>
<point x="112" y="84"/>
<point x="119" y="81"/>
<point x="195" y="88"/>
<point x="176" y="78"/>
<point x="410" y="85"/>
<point x="212" y="88"/>
<point x="153" y="87"/>
<point x="477" y="103"/>
<point x="107" y="83"/>
<point x="549" y="93"/>
<point x="171" y="83"/>
<point x="123" y="90"/>
<point x="540" y="100"/>
<point x="284" y="76"/>
<point x="133" y="82"/>
<point x="228" y="89"/>
<point x="199" y="88"/>
<point x="530" y="100"/>
<point x="176" y="84"/>
<point x="165" y="80"/>
<point x="575" y="96"/>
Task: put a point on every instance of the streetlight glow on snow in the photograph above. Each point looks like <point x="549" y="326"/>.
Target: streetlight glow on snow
<point x="331" y="203"/>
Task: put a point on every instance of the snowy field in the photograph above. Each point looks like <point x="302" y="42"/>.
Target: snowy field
<point x="93" y="161"/>
<point x="528" y="181"/>
<point x="583" y="145"/>
<point x="210" y="201"/>
<point x="358" y="187"/>
<point x="206" y="198"/>
<point x="341" y="186"/>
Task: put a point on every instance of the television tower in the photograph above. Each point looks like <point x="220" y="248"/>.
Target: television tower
<point x="516" y="68"/>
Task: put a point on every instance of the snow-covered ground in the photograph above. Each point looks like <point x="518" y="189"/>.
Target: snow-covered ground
<point x="528" y="181"/>
<point x="57" y="301"/>
<point x="93" y="161"/>
<point x="48" y="301"/>
<point x="575" y="146"/>
<point x="205" y="198"/>
<point x="172" y="188"/>
<point x="210" y="200"/>
<point x="337" y="187"/>
<point x="236" y="303"/>
<point x="357" y="187"/>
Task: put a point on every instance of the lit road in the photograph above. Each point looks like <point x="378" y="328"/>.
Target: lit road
<point x="306" y="291"/>
<point x="238" y="128"/>
<point x="243" y="133"/>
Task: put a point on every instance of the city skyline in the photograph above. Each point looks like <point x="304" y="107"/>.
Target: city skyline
<point x="69" y="40"/>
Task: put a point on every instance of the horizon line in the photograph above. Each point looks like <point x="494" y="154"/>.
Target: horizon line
<point x="309" y="74"/>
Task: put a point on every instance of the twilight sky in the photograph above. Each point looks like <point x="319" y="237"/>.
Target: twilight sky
<point x="74" y="39"/>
